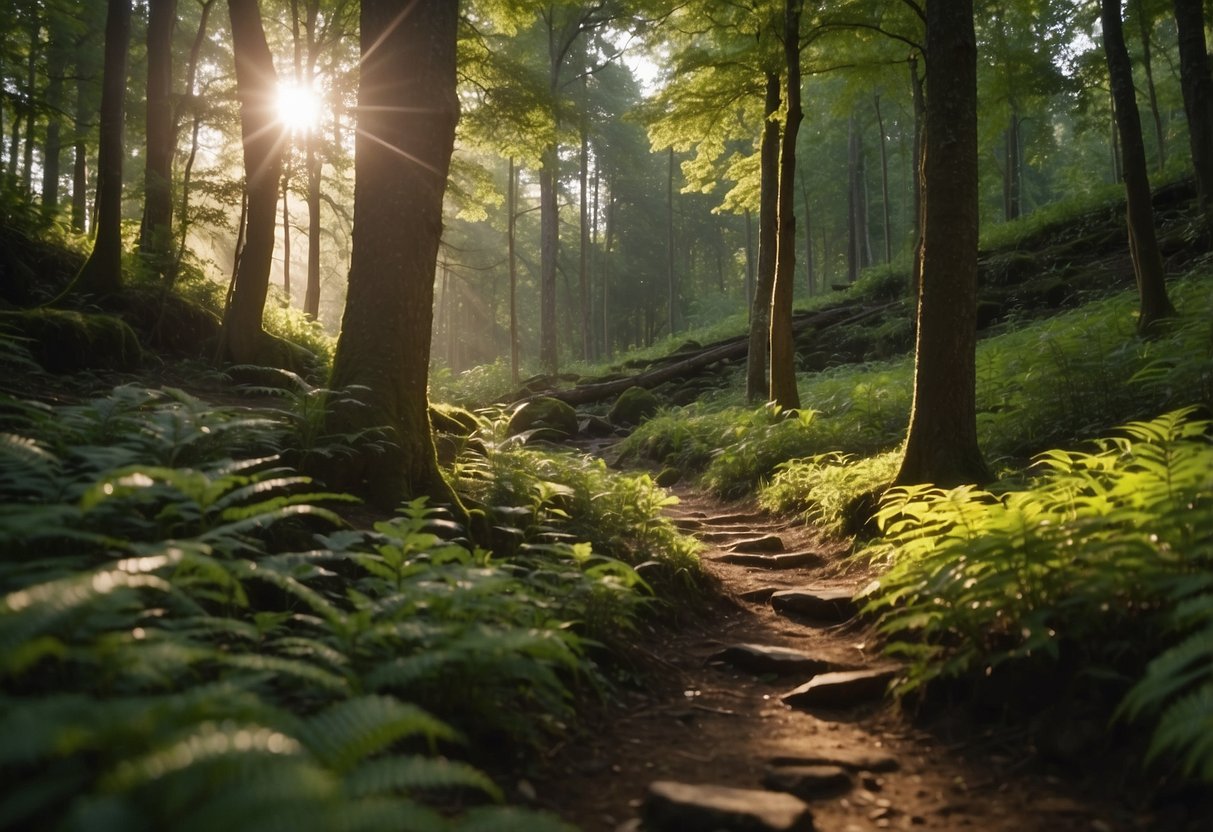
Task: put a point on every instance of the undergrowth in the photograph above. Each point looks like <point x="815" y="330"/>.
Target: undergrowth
<point x="191" y="637"/>
<point x="1100" y="565"/>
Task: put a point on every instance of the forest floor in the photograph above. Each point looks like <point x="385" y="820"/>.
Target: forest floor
<point x="859" y="761"/>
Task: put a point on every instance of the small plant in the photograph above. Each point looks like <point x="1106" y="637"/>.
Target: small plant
<point x="822" y="487"/>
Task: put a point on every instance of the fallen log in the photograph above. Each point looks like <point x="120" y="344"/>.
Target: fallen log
<point x="727" y="350"/>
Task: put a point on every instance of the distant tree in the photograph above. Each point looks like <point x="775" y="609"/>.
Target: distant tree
<point x="757" y="384"/>
<point x="102" y="272"/>
<point x="407" y="111"/>
<point x="1154" y="304"/>
<point x="264" y="139"/>
<point x="58" y="59"/>
<point x="87" y="68"/>
<point x="941" y="445"/>
<point x="155" y="235"/>
<point x="1198" y="98"/>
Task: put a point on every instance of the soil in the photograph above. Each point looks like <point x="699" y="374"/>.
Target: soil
<point x="695" y="720"/>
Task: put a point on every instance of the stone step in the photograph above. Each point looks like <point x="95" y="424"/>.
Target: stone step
<point x="857" y="759"/>
<point x="841" y="689"/>
<point x="755" y="545"/>
<point x="834" y="605"/>
<point x="736" y="518"/>
<point x="682" y="807"/>
<point x="787" y="560"/>
<point x="725" y="535"/>
<point x="760" y="595"/>
<point x="768" y="658"/>
<point x="808" y="782"/>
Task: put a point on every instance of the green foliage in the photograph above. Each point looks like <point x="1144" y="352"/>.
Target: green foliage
<point x="290" y="324"/>
<point x="822" y="487"/>
<point x="1105" y="558"/>
<point x="190" y="638"/>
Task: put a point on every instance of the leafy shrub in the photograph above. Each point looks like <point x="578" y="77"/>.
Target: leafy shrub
<point x="822" y="487"/>
<point x="1082" y="563"/>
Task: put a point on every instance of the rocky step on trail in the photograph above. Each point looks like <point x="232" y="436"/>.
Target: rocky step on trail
<point x="769" y="713"/>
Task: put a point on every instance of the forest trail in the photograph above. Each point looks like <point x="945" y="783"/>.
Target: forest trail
<point x="743" y="699"/>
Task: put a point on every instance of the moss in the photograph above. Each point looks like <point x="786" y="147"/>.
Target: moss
<point x="633" y="406"/>
<point x="65" y="341"/>
<point x="447" y="418"/>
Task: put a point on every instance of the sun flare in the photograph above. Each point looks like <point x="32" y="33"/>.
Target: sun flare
<point x="298" y="107"/>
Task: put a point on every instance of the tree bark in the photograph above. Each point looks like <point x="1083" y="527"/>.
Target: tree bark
<point x="511" y="208"/>
<point x="102" y="272"/>
<point x="757" y="386"/>
<point x="1143" y="242"/>
<point x="264" y="138"/>
<point x="783" y="389"/>
<point x="941" y="445"/>
<point x="407" y="111"/>
<point x="87" y="69"/>
<point x="920" y="123"/>
<point x="1011" y="174"/>
<point x="156" y="231"/>
<point x="549" y="242"/>
<point x="884" y="185"/>
<point x="1198" y="99"/>
<point x="670" y="271"/>
<point x="583" y="248"/>
<point x="858" y="257"/>
<point x="1147" y="63"/>
<point x="57" y="58"/>
<point x="750" y="266"/>
<point x="809" y="271"/>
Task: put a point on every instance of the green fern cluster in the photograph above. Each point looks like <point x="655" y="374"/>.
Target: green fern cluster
<point x="1105" y="558"/>
<point x="190" y="638"/>
<point x="820" y="488"/>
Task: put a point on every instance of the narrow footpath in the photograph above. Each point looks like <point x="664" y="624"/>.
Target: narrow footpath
<point x="769" y="715"/>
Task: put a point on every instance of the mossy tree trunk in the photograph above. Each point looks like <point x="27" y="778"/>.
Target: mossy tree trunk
<point x="941" y="446"/>
<point x="783" y="350"/>
<point x="155" y="235"/>
<point x="1143" y="242"/>
<point x="102" y="272"/>
<point x="1198" y="99"/>
<point x="756" y="385"/>
<point x="407" y="110"/>
<point x="264" y="139"/>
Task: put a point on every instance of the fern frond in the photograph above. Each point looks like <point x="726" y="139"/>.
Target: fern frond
<point x="350" y="731"/>
<point x="410" y="774"/>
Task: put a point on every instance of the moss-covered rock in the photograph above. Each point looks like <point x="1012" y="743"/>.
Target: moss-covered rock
<point x="447" y="418"/>
<point x="558" y="419"/>
<point x="633" y="406"/>
<point x="66" y="341"/>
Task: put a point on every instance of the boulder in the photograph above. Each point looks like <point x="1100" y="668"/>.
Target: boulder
<point x="544" y="412"/>
<point x="633" y="406"/>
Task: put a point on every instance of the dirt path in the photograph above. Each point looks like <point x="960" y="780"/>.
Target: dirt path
<point x="721" y="720"/>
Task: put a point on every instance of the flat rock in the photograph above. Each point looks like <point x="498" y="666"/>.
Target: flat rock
<point x="734" y="519"/>
<point x="841" y="689"/>
<point x="766" y="658"/>
<point x="682" y="807"/>
<point x="850" y="759"/>
<point x="808" y="782"/>
<point x="787" y="560"/>
<point x="764" y="543"/>
<point x="725" y="535"/>
<point x="760" y="595"/>
<point x="823" y="604"/>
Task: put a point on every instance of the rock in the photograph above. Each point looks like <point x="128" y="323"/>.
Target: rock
<point x="458" y="421"/>
<point x="765" y="658"/>
<point x="765" y="543"/>
<point x="808" y="782"/>
<point x="841" y="689"/>
<point x="822" y="604"/>
<point x="788" y="560"/>
<point x="633" y="406"/>
<point x="761" y="595"/>
<point x="725" y="535"/>
<point x="543" y="413"/>
<point x="682" y="807"/>
<point x="733" y="519"/>
<point x="595" y="426"/>
<point x="852" y="760"/>
<point x="668" y="477"/>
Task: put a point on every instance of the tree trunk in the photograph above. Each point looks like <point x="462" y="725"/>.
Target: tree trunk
<point x="31" y="89"/>
<point x="583" y="249"/>
<point x="809" y="270"/>
<point x="670" y="271"/>
<point x="857" y="226"/>
<point x="1011" y="174"/>
<point x="605" y="277"/>
<point x="1143" y="243"/>
<point x="102" y="272"/>
<point x="407" y="110"/>
<point x="920" y="124"/>
<point x="783" y="351"/>
<point x="1198" y="99"/>
<point x="193" y="103"/>
<point x="286" y="235"/>
<point x="884" y="185"/>
<point x="87" y="69"/>
<point x="941" y="445"/>
<point x="1147" y="63"/>
<point x="264" y="139"/>
<point x="511" y="222"/>
<point x="549" y="241"/>
<point x="155" y="234"/>
<point x="750" y="266"/>
<point x="757" y="386"/>
<point x="57" y="57"/>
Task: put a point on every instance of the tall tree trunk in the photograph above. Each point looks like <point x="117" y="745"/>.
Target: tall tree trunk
<point x="670" y="271"/>
<point x="860" y="247"/>
<point x="884" y="185"/>
<point x="920" y="125"/>
<point x="1011" y="173"/>
<point x="809" y="270"/>
<point x="549" y="242"/>
<point x="941" y="445"/>
<point x="192" y="103"/>
<point x="407" y="110"/>
<point x="756" y="380"/>
<point x="511" y="214"/>
<point x="264" y="139"/>
<point x="1198" y="99"/>
<point x="583" y="237"/>
<point x="286" y="235"/>
<point x="750" y="265"/>
<point x="783" y="350"/>
<point x="87" y="70"/>
<point x="311" y="295"/>
<point x="1143" y="243"/>
<point x="1147" y="63"/>
<point x="57" y="57"/>
<point x="31" y="90"/>
<point x="155" y="235"/>
<point x="102" y="272"/>
<point x="605" y="277"/>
